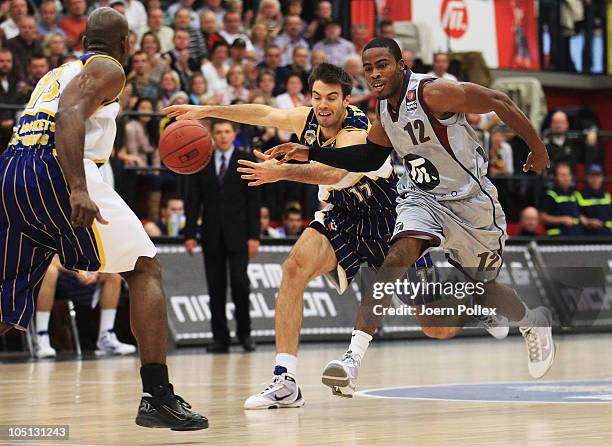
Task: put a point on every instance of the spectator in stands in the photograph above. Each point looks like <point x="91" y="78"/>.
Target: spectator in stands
<point x="560" y="212"/>
<point x="215" y="70"/>
<point x="266" y="81"/>
<point x="8" y="95"/>
<point x="293" y="223"/>
<point x="216" y="8"/>
<point x="140" y="77"/>
<point x="24" y="46"/>
<point x="198" y="90"/>
<point x="71" y="284"/>
<point x="323" y="15"/>
<point x="530" y="220"/>
<point x="595" y="203"/>
<point x="37" y="68"/>
<point x="440" y="67"/>
<point x="291" y="39"/>
<point x="236" y="90"/>
<point x="155" y="24"/>
<point x="48" y="19"/>
<point x="197" y="46"/>
<point x="360" y="94"/>
<point x="194" y="18"/>
<point x="151" y="46"/>
<point x="298" y="66"/>
<point x="336" y="47"/>
<point x="250" y="69"/>
<point x="360" y="37"/>
<point x="74" y="23"/>
<point x="265" y="230"/>
<point x="473" y="119"/>
<point x="408" y="58"/>
<point x="500" y="154"/>
<point x="294" y="7"/>
<point x="172" y="219"/>
<point x="136" y="14"/>
<point x="17" y="10"/>
<point x="269" y="13"/>
<point x="179" y="58"/>
<point x="561" y="149"/>
<point x="119" y="5"/>
<point x="387" y="29"/>
<point x="237" y="52"/>
<point x="209" y="27"/>
<point x="317" y="57"/>
<point x="230" y="233"/>
<point x="260" y="38"/>
<point x="168" y="86"/>
<point x="138" y="131"/>
<point x="231" y="31"/>
<point x="293" y="97"/>
<point x="55" y="49"/>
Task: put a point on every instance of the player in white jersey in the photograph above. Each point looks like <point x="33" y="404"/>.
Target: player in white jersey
<point x="56" y="202"/>
<point x="445" y="198"/>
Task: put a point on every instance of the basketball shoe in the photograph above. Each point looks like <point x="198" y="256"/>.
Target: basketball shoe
<point x="108" y="344"/>
<point x="496" y="326"/>
<point x="341" y="374"/>
<point x="162" y="408"/>
<point x="43" y="347"/>
<point x="540" y="344"/>
<point x="283" y="392"/>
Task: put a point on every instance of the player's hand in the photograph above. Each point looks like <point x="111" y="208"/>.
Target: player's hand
<point x="181" y="112"/>
<point x="569" y="221"/>
<point x="595" y="223"/>
<point x="253" y="247"/>
<point x="289" y="151"/>
<point x="260" y="173"/>
<point x="84" y="210"/>
<point x="537" y="161"/>
<point x="190" y="246"/>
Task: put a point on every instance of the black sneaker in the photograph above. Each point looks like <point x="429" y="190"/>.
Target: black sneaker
<point x="165" y="409"/>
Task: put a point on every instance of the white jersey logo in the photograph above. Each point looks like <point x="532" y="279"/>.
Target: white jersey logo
<point x="422" y="172"/>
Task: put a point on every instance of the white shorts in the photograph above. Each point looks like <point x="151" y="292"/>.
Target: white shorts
<point x="123" y="240"/>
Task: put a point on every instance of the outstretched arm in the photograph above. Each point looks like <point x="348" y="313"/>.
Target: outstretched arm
<point x="354" y="158"/>
<point x="99" y="82"/>
<point x="269" y="171"/>
<point x="442" y="96"/>
<point x="253" y="114"/>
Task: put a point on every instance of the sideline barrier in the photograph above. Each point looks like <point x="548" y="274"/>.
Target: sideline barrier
<point x="571" y="277"/>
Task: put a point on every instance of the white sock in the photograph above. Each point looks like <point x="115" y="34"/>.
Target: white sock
<point x="42" y="321"/>
<point x="107" y="321"/>
<point x="530" y="319"/>
<point x="360" y="342"/>
<point x="287" y="361"/>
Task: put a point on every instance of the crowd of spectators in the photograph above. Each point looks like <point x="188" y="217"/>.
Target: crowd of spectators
<point x="234" y="51"/>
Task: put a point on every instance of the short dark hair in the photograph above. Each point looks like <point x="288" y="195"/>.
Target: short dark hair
<point x="291" y="211"/>
<point x="217" y="121"/>
<point x="385" y="42"/>
<point x="168" y="198"/>
<point x="385" y="23"/>
<point x="331" y="74"/>
<point x="562" y="164"/>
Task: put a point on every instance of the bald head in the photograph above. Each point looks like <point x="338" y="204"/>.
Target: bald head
<point x="559" y="123"/>
<point x="107" y="32"/>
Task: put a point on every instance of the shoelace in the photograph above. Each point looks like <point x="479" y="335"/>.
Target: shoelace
<point x="533" y="345"/>
<point x="488" y="321"/>
<point x="353" y="360"/>
<point x="273" y="384"/>
<point x="181" y="401"/>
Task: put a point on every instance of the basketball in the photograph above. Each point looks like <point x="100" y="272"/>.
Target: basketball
<point x="185" y="147"/>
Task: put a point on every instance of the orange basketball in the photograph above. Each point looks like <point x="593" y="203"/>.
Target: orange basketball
<point x="185" y="147"/>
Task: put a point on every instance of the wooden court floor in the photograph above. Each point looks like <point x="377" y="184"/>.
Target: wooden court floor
<point x="98" y="398"/>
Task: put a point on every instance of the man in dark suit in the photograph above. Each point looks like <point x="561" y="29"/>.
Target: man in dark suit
<point x="230" y="233"/>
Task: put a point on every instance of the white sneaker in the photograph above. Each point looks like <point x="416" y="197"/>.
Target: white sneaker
<point x="497" y="326"/>
<point x="341" y="374"/>
<point x="43" y="347"/>
<point x="540" y="344"/>
<point x="108" y="344"/>
<point x="283" y="392"/>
